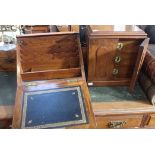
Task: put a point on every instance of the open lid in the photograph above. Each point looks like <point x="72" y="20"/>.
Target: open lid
<point x="116" y="30"/>
<point x="53" y="104"/>
<point x="57" y="96"/>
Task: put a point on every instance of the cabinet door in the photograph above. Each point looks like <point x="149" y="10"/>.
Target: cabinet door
<point x="100" y="63"/>
<point x="112" y="59"/>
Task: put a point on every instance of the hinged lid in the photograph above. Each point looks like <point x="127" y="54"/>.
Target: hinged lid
<point x="52" y="92"/>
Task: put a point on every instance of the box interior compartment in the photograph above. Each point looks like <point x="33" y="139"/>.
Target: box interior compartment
<point x="50" y="56"/>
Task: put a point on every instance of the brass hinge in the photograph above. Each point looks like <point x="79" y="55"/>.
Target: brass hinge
<point x="30" y="84"/>
<point x="72" y="80"/>
<point x="19" y="42"/>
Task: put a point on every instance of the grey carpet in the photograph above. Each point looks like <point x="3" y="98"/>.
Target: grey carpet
<point x="7" y="88"/>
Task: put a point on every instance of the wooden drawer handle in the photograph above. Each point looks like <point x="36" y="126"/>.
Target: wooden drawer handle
<point x="116" y="124"/>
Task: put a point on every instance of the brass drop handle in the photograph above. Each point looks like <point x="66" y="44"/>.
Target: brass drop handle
<point x="119" y="46"/>
<point x="116" y="124"/>
<point x="117" y="59"/>
<point x="115" y="71"/>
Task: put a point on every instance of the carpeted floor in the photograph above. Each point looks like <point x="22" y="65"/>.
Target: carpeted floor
<point x="7" y="88"/>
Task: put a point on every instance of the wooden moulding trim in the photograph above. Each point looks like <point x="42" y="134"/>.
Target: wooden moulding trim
<point x="51" y="74"/>
<point x="118" y="36"/>
<point x="123" y="112"/>
<point x="126" y="107"/>
<point x="6" y="112"/>
<point x="110" y="83"/>
<point x="45" y="34"/>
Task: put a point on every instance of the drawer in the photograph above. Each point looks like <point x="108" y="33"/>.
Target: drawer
<point x="129" y="121"/>
<point x="151" y="121"/>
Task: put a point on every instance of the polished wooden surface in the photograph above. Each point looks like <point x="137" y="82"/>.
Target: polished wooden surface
<point x="53" y="70"/>
<point x="104" y="49"/>
<point x="124" y="107"/>
<point x="114" y="30"/>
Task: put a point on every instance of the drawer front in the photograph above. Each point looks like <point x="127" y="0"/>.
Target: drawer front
<point x="151" y="121"/>
<point x="130" y="121"/>
<point x="118" y="55"/>
<point x="5" y="123"/>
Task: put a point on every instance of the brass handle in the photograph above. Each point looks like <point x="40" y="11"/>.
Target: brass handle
<point x="119" y="46"/>
<point x="115" y="71"/>
<point x="116" y="124"/>
<point x="117" y="59"/>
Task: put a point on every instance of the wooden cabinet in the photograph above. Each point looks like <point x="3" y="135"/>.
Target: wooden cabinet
<point x="125" y="121"/>
<point x="114" y="55"/>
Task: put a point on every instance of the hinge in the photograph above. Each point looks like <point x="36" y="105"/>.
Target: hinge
<point x="30" y="84"/>
<point x="72" y="80"/>
<point x="19" y="42"/>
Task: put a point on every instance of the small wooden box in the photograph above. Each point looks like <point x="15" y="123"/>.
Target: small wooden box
<point x="52" y="91"/>
<point x="115" y="54"/>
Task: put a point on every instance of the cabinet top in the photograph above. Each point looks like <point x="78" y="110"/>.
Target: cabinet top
<point x="116" y="30"/>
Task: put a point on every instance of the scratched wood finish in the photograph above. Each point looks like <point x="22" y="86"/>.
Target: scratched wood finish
<point x="45" y="57"/>
<point x="53" y="52"/>
<point x="102" y="43"/>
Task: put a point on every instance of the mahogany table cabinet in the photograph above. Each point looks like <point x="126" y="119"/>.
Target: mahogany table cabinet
<point x="51" y="86"/>
<point x="114" y="54"/>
